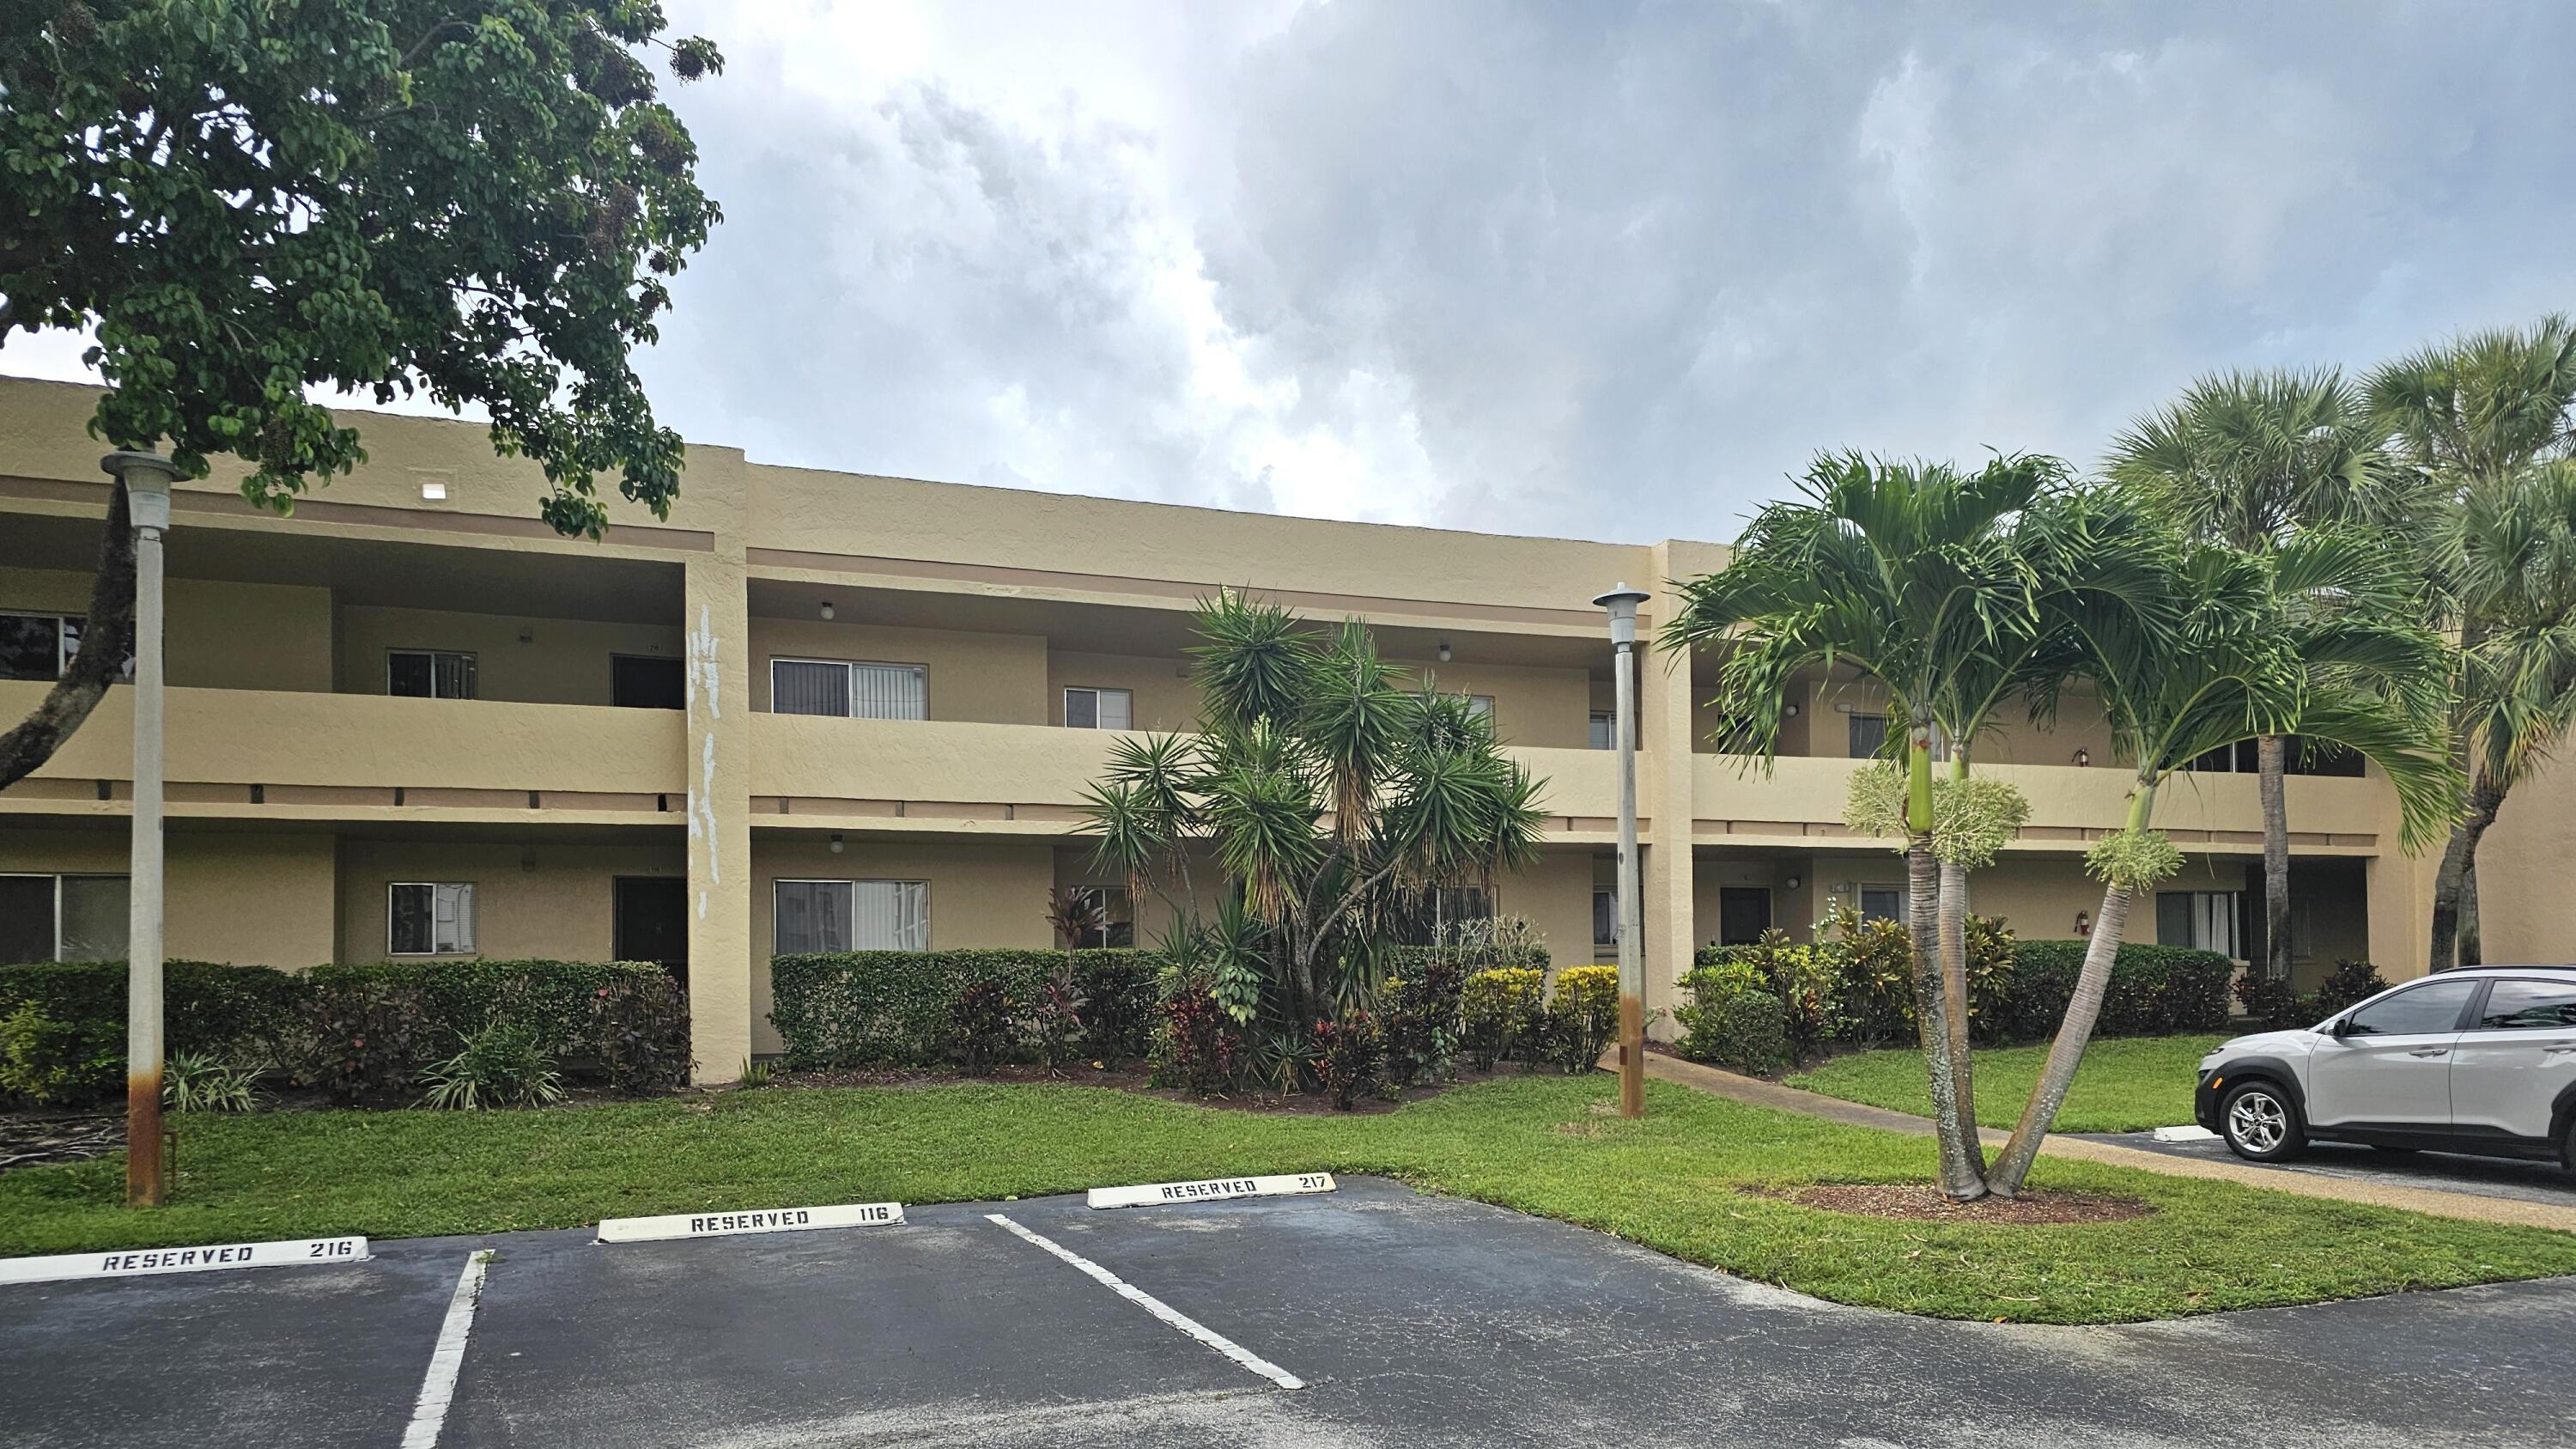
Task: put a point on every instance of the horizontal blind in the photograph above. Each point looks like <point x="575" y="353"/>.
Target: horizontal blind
<point x="1116" y="709"/>
<point x="893" y="915"/>
<point x="889" y="691"/>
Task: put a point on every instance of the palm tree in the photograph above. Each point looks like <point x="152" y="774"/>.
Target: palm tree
<point x="2251" y="460"/>
<point x="1908" y="573"/>
<point x="2474" y="419"/>
<point x="2345" y="669"/>
<point x="1320" y="786"/>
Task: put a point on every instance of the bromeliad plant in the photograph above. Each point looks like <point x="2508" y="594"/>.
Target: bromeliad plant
<point x="1325" y="792"/>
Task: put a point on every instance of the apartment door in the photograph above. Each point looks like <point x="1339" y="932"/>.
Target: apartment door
<point x="653" y="922"/>
<point x="1743" y="914"/>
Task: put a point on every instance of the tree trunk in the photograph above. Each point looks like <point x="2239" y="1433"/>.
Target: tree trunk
<point x="2451" y="881"/>
<point x="107" y="638"/>
<point x="1962" y="1163"/>
<point x="2472" y="950"/>
<point x="2066" y="1053"/>
<point x="2274" y="756"/>
<point x="1954" y="999"/>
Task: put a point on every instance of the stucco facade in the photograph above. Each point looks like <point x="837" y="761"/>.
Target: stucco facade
<point x="589" y="809"/>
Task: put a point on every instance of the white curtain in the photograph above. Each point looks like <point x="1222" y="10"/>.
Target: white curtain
<point x="889" y="691"/>
<point x="893" y="915"/>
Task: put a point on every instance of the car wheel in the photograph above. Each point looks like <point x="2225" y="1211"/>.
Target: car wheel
<point x="2261" y="1123"/>
<point x="2567" y="1149"/>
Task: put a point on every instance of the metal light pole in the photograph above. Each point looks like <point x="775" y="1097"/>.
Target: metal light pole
<point x="147" y="478"/>
<point x="1622" y="603"/>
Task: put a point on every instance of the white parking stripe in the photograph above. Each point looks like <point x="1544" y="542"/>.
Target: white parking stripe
<point x="1159" y="1309"/>
<point x="438" y="1386"/>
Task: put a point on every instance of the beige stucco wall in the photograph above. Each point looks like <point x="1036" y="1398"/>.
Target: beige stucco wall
<point x="981" y="894"/>
<point x="1536" y="708"/>
<point x="250" y="900"/>
<point x="222" y="635"/>
<point x="558" y="661"/>
<point x="536" y="900"/>
<point x="2526" y="907"/>
<point x="974" y="677"/>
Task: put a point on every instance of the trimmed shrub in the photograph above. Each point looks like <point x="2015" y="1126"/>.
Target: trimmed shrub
<point x="366" y="1039"/>
<point x="210" y="1009"/>
<point x="1583" y="1016"/>
<point x="1734" y="1019"/>
<point x="2274" y="1005"/>
<point x="981" y="1026"/>
<point x="1873" y="988"/>
<point x="552" y="998"/>
<point x="2349" y="984"/>
<point x="638" y="1035"/>
<point x="1420" y="1021"/>
<point x="47" y="1061"/>
<point x="2154" y="990"/>
<point x="1055" y="1018"/>
<point x="1197" y="1045"/>
<point x="1803" y="978"/>
<point x="1347" y="1054"/>
<point x="1115" y="990"/>
<point x="896" y="1008"/>
<point x="1497" y="1009"/>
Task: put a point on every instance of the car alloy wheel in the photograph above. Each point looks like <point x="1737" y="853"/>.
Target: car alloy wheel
<point x="2260" y="1123"/>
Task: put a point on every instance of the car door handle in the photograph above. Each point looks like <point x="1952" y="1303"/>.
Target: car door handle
<point x="2429" y="1052"/>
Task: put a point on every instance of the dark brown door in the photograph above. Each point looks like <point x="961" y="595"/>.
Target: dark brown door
<point x="653" y="922"/>
<point x="1743" y="914"/>
<point x="638" y="681"/>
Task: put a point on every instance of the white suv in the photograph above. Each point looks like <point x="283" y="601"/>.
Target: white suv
<point x="2478" y="1060"/>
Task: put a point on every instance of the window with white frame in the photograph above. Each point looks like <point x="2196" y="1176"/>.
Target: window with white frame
<point x="62" y="918"/>
<point x="852" y="690"/>
<point x="2202" y="920"/>
<point x="429" y="918"/>
<point x="1605" y="917"/>
<point x="429" y="674"/>
<point x="1108" y="916"/>
<point x="811" y="916"/>
<point x="41" y="646"/>
<point x="1605" y="730"/>
<point x="1086" y="708"/>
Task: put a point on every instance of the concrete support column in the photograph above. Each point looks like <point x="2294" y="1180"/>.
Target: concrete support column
<point x="716" y="643"/>
<point x="2400" y="893"/>
<point x="1666" y="798"/>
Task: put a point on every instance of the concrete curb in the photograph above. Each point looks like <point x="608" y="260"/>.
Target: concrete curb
<point x="2432" y="1201"/>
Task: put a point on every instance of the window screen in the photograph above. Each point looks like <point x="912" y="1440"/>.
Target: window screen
<point x="1882" y="903"/>
<point x="1868" y="736"/>
<point x="430" y="918"/>
<point x="95" y="917"/>
<point x="799" y="687"/>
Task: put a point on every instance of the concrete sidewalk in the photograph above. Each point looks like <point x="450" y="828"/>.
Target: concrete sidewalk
<point x="1755" y="1092"/>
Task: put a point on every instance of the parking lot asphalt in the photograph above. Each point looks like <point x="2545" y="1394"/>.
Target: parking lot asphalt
<point x="2542" y="1182"/>
<point x="1411" y="1320"/>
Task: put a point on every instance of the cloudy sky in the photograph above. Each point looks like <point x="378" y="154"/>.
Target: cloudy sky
<point x="1601" y="269"/>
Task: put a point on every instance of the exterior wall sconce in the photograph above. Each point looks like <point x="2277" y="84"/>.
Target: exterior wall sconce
<point x="1444" y="651"/>
<point x="1791" y="711"/>
<point x="827" y="609"/>
<point x="2083" y="757"/>
<point x="1791" y="883"/>
<point x="2083" y="923"/>
<point x="837" y="842"/>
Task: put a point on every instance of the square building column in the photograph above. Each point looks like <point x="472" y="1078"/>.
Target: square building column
<point x="1666" y="800"/>
<point x="715" y="634"/>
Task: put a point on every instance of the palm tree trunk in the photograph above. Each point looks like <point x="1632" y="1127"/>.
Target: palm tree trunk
<point x="1962" y="1175"/>
<point x="2450" y="883"/>
<point x="2274" y="756"/>
<point x="1954" y="999"/>
<point x="2472" y="950"/>
<point x="2066" y="1053"/>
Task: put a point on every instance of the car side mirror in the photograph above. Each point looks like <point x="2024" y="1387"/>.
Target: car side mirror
<point x="2341" y="1026"/>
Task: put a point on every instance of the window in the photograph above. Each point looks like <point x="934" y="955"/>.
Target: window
<point x="1112" y="916"/>
<point x="2202" y="920"/>
<point x="1882" y="903"/>
<point x="62" y="918"/>
<point x="2529" y="1006"/>
<point x="1099" y="709"/>
<point x="429" y="674"/>
<point x="1605" y="918"/>
<point x="1868" y="736"/>
<point x="2428" y="1008"/>
<point x="41" y="646"/>
<point x="430" y="918"/>
<point x="858" y="691"/>
<point x="850" y="915"/>
<point x="645" y="681"/>
<point x="1605" y="730"/>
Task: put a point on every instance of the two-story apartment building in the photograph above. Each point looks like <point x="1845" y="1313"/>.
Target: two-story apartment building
<point x="817" y="710"/>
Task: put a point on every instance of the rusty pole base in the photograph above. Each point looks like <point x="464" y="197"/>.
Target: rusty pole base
<point x="143" y="1182"/>
<point x="1632" y="1056"/>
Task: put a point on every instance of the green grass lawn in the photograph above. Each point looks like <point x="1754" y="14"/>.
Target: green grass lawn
<point x="1546" y="1145"/>
<point x="2127" y="1084"/>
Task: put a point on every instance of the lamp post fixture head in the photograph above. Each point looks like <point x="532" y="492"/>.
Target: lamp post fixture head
<point x="147" y="478"/>
<point x="1622" y="603"/>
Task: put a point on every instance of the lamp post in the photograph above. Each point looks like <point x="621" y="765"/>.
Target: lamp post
<point x="1622" y="604"/>
<point x="147" y="478"/>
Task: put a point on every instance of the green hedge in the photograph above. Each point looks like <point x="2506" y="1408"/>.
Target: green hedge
<point x="895" y="1008"/>
<point x="2154" y="990"/>
<point x="464" y="996"/>
<point x="1403" y="960"/>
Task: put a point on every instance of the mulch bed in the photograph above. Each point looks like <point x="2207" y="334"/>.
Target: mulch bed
<point x="32" y="1140"/>
<point x="1921" y="1202"/>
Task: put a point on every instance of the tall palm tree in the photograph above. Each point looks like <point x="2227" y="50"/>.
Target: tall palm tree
<point x="1319" y="784"/>
<point x="1908" y="573"/>
<point x="2251" y="460"/>
<point x="2349" y="670"/>
<point x="2473" y="418"/>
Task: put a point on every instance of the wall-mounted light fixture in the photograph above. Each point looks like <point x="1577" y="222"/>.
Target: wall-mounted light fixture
<point x="1444" y="651"/>
<point x="527" y="634"/>
<point x="836" y="842"/>
<point x="2083" y="757"/>
<point x="1843" y="708"/>
<point x="827" y="608"/>
<point x="1792" y="882"/>
<point x="1790" y="710"/>
<point x="2083" y="923"/>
